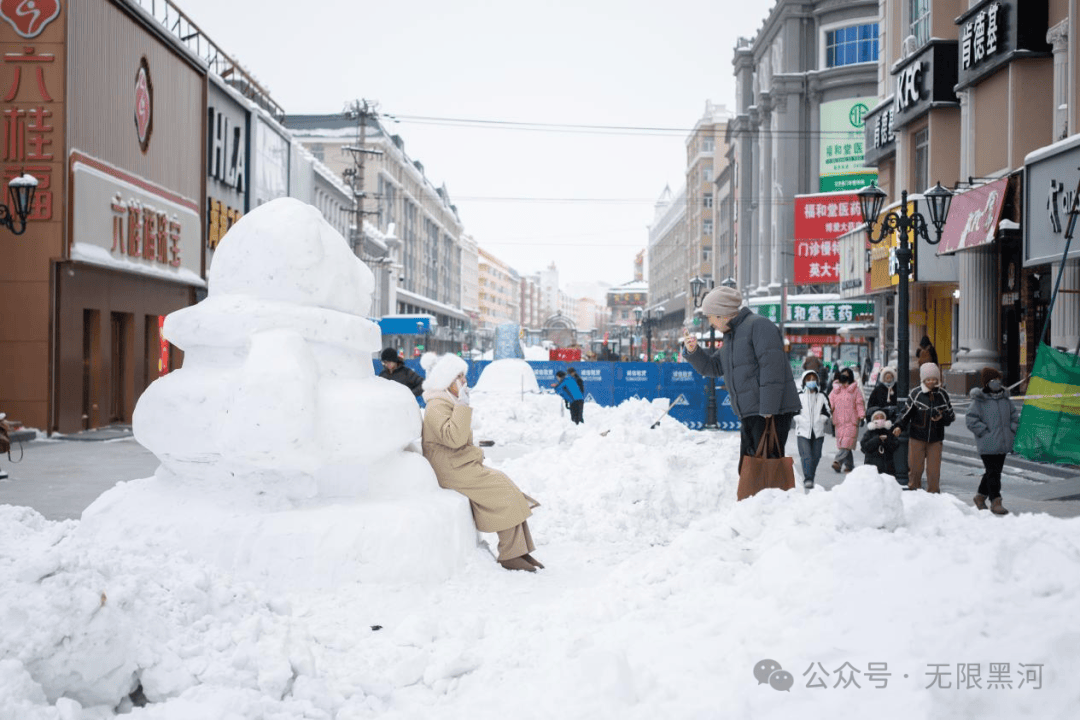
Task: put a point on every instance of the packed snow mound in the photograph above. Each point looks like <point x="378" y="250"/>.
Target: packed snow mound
<point x="91" y="621"/>
<point x="311" y="263"/>
<point x="284" y="460"/>
<point x="537" y="353"/>
<point x="506" y="377"/>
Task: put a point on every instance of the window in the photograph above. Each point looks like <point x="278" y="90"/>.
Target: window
<point x="922" y="159"/>
<point x="705" y="172"/>
<point x="708" y="145"/>
<point x="706" y="228"/>
<point x="708" y="200"/>
<point x="851" y="45"/>
<point x="919" y="12"/>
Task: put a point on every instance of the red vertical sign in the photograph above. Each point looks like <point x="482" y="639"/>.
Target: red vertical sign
<point x="819" y="221"/>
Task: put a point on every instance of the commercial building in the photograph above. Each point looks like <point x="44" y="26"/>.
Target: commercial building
<point x="670" y="268"/>
<point x="803" y="86"/>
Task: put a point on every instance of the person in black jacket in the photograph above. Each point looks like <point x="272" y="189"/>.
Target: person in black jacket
<point x="925" y="418"/>
<point x="394" y="369"/>
<point x="878" y="443"/>
<point x="581" y="384"/>
<point x="883" y="396"/>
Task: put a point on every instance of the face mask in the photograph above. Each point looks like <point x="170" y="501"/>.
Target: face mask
<point x="811" y="385"/>
<point x="888" y="383"/>
<point x="994" y="385"/>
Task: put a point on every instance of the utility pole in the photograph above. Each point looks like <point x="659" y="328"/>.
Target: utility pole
<point x="360" y="111"/>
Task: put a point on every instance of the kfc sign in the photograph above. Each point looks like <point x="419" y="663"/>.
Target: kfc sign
<point x="29" y="17"/>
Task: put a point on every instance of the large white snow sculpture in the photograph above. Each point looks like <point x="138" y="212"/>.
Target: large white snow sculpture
<point x="283" y="458"/>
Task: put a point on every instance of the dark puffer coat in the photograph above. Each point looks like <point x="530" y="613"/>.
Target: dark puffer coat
<point x="405" y="376"/>
<point x="755" y="368"/>
<point x="927" y="415"/>
<point x="993" y="419"/>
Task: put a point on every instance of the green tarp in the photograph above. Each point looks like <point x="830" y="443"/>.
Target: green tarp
<point x="1050" y="421"/>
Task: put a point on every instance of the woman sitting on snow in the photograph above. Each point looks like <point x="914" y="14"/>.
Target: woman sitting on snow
<point x="498" y="505"/>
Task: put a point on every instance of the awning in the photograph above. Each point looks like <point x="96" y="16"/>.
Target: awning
<point x="973" y="217"/>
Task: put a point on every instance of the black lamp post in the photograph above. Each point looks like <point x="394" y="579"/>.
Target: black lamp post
<point x="699" y="288"/>
<point x="646" y="319"/>
<point x="871" y="200"/>
<point x="21" y="190"/>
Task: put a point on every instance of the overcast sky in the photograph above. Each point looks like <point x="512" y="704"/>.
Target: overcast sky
<point x="581" y="62"/>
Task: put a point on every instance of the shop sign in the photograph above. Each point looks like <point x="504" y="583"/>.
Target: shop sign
<point x="854" y="264"/>
<point x="1050" y="182"/>
<point x="33" y="96"/>
<point x="29" y="18"/>
<point x="271" y="161"/>
<point x="880" y="138"/>
<point x="992" y="32"/>
<point x="144" y="104"/>
<point x="819" y="220"/>
<point x="123" y="221"/>
<point x="924" y="81"/>
<point x="814" y="340"/>
<point x="636" y="298"/>
<point x="826" y="313"/>
<point x="226" y="165"/>
<point x="1010" y="281"/>
<point x="841" y="148"/>
<point x="973" y="217"/>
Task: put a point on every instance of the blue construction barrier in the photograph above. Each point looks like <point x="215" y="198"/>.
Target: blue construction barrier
<point x="610" y="383"/>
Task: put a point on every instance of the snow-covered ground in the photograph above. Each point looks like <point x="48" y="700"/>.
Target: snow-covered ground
<point x="660" y="597"/>
<point x="294" y="556"/>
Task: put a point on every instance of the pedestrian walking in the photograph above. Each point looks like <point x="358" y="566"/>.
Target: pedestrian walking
<point x="813" y="362"/>
<point x="879" y="444"/>
<point x="394" y="369"/>
<point x="848" y="411"/>
<point x="928" y="412"/>
<point x="498" y="505"/>
<point x="756" y="372"/>
<point x="883" y="396"/>
<point x="810" y="426"/>
<point x="570" y="391"/>
<point x="581" y="386"/>
<point x="926" y="352"/>
<point x="993" y="418"/>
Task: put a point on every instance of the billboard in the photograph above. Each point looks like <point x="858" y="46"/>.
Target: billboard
<point x="842" y="154"/>
<point x="819" y="220"/>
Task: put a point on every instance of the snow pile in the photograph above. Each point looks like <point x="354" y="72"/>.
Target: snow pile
<point x="284" y="459"/>
<point x="86" y="623"/>
<point x="535" y="352"/>
<point x="507" y="376"/>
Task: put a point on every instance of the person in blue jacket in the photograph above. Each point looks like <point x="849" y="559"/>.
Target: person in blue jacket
<point x="568" y="388"/>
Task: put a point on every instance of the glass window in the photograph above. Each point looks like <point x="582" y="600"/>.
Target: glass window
<point x="922" y="159"/>
<point x="707" y="145"/>
<point x="919" y="14"/>
<point x="708" y="200"/>
<point x="706" y="227"/>
<point x="851" y="45"/>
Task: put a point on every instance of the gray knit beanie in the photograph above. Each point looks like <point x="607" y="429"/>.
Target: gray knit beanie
<point x="722" y="301"/>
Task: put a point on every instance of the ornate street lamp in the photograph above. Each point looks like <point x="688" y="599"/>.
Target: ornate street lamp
<point x="21" y="190"/>
<point x="871" y="200"/>
<point x="699" y="288"/>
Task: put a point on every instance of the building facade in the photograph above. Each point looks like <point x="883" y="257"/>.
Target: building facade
<point x="670" y="269"/>
<point x="803" y="85"/>
<point x="499" y="294"/>
<point x="706" y="157"/>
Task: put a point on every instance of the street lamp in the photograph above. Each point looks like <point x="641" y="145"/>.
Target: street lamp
<point x="871" y="200"/>
<point x="21" y="190"/>
<point x="699" y="288"/>
<point x="646" y="319"/>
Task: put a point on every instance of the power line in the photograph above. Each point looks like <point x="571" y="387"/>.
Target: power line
<point x="657" y="131"/>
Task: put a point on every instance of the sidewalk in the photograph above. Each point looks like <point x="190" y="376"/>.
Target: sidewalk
<point x="61" y="477"/>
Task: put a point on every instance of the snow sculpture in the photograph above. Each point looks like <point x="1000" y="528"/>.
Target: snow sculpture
<point x="282" y="455"/>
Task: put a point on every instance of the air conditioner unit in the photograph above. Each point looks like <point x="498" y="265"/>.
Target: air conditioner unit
<point x="911" y="44"/>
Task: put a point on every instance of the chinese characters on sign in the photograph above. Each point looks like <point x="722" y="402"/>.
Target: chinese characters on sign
<point x="818" y="313"/>
<point x="29" y="131"/>
<point x="980" y="37"/>
<point x="819" y="220"/>
<point x="143" y="231"/>
<point x="219" y="219"/>
<point x="883" y="129"/>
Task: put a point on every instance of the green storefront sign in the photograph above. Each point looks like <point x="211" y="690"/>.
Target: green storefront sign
<point x="832" y="313"/>
<point x="842" y="153"/>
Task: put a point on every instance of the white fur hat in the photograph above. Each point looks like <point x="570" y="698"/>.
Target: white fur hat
<point x="443" y="372"/>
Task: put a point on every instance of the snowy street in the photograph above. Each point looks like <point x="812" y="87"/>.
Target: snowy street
<point x="659" y="598"/>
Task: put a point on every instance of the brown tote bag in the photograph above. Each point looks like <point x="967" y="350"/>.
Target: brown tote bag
<point x="758" y="472"/>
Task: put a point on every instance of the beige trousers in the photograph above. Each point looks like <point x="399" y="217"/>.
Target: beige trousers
<point x="515" y="542"/>
<point x="920" y="453"/>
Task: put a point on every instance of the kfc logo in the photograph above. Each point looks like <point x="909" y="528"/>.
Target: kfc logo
<point x="29" y="17"/>
<point x="144" y="104"/>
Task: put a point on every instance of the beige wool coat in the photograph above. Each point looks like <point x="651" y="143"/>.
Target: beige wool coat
<point x="497" y="503"/>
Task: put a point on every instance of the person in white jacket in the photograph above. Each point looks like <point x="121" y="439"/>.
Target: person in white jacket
<point x="810" y="426"/>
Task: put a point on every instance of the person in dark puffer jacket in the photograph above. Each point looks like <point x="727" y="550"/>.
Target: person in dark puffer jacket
<point x="928" y="413"/>
<point x="752" y="362"/>
<point x="993" y="418"/>
<point x="394" y="369"/>
<point x="878" y="443"/>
